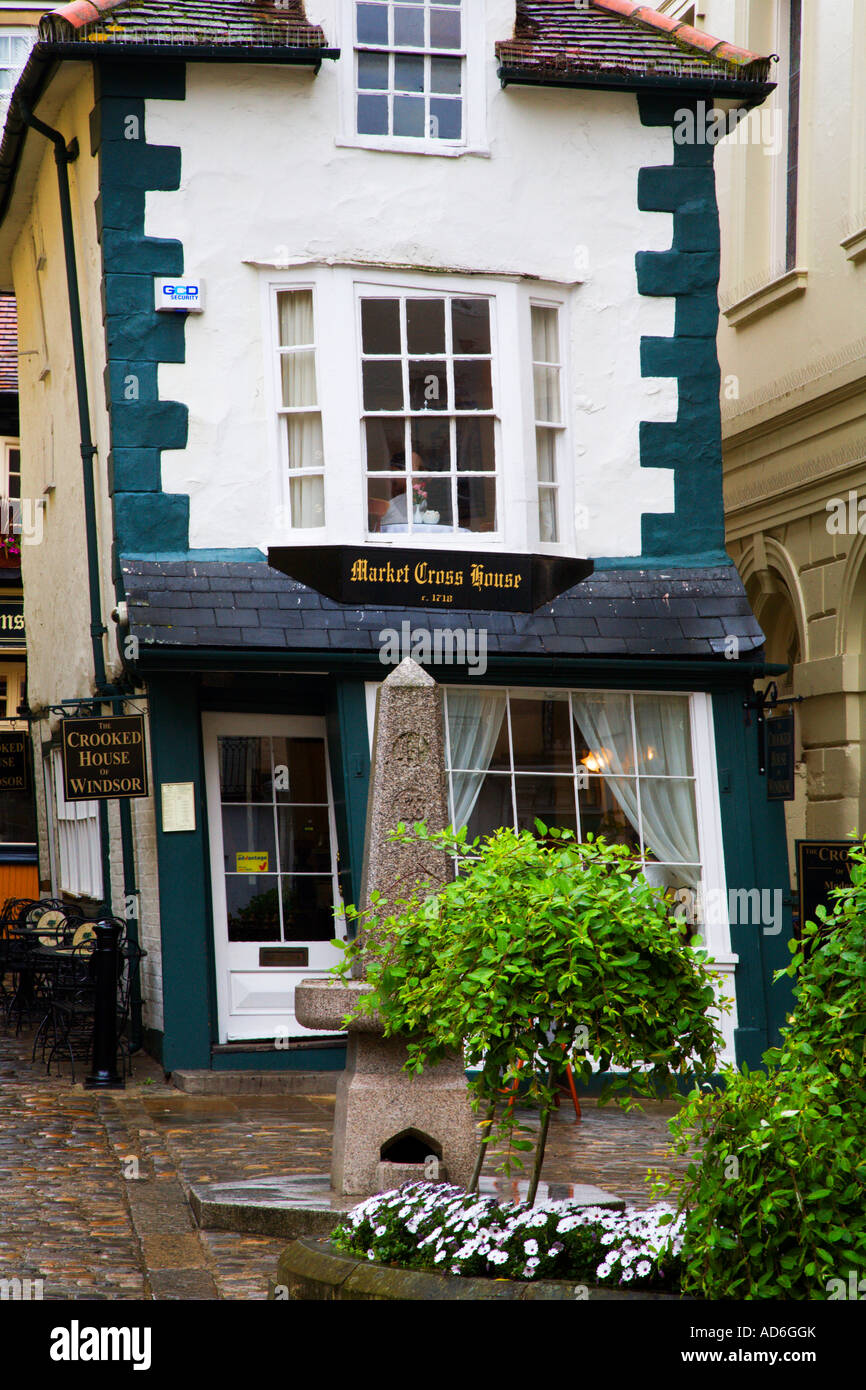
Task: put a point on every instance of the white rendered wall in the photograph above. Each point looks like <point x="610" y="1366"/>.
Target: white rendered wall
<point x="264" y="181"/>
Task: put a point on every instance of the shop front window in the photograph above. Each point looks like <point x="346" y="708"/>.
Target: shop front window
<point x="612" y="764"/>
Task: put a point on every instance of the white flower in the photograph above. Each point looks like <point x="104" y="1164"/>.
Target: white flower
<point x="603" y="1270"/>
<point x="531" y="1247"/>
<point x="371" y="1254"/>
<point x="380" y="1230"/>
<point x="627" y="1274"/>
<point x="440" y="1255"/>
<point x="608" y="1238"/>
<point x="644" y="1268"/>
<point x="498" y="1257"/>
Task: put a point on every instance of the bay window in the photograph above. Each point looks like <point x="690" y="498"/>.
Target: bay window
<point x="418" y="409"/>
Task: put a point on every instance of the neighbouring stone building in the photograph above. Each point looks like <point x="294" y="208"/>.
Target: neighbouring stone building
<point x="419" y="298"/>
<point x="792" y="346"/>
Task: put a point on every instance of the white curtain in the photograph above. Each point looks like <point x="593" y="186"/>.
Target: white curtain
<point x="664" y="747"/>
<point x="474" y="720"/>
<point x="304" y="425"/>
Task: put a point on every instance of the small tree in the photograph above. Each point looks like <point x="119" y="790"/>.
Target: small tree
<point x="540" y="954"/>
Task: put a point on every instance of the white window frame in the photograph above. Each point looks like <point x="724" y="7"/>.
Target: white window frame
<point x="434" y="292"/>
<point x="287" y="475"/>
<point x="474" y="92"/>
<point x="563" y="486"/>
<point x="16" y="31"/>
<point x="79" y="839"/>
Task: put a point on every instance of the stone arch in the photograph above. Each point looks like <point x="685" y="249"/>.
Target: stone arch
<point x="851" y="618"/>
<point x="776" y="598"/>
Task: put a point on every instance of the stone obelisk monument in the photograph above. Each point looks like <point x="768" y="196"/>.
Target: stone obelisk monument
<point x="388" y="1123"/>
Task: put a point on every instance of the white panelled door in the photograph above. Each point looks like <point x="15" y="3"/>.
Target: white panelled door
<point x="273" y="867"/>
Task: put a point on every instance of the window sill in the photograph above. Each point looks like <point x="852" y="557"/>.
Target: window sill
<point x="385" y="145"/>
<point x="854" y="245"/>
<point x="762" y="301"/>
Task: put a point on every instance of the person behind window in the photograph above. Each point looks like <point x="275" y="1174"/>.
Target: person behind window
<point x="397" y="513"/>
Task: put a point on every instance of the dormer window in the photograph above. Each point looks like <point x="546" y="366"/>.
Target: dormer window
<point x="410" y="70"/>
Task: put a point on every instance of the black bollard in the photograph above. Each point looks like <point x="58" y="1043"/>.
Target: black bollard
<point x="104" y="1075"/>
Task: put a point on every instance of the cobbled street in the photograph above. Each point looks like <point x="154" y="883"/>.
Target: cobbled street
<point x="93" y="1187"/>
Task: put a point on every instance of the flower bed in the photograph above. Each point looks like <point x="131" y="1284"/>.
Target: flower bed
<point x="437" y="1227"/>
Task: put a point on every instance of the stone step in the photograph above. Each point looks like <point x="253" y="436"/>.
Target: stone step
<point x="260" y="1083"/>
<point x="305" y="1205"/>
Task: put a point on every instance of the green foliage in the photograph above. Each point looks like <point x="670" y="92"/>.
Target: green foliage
<point x="775" y="1205"/>
<point x="540" y="953"/>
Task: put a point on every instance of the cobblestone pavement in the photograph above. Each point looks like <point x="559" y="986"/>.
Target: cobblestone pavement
<point x="93" y="1185"/>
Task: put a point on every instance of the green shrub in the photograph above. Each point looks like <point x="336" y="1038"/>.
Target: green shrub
<point x="542" y="953"/>
<point x="775" y="1206"/>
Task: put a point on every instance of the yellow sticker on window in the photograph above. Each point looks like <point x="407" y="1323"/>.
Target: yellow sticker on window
<point x="252" y="863"/>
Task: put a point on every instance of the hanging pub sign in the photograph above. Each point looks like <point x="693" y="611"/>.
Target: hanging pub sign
<point x="780" y="758"/>
<point x="12" y="633"/>
<point x="14" y="762"/>
<point x="383" y="577"/>
<point x="104" y="757"/>
<point x="821" y="866"/>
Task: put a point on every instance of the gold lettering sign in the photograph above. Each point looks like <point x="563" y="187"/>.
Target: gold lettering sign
<point x="104" y="758"/>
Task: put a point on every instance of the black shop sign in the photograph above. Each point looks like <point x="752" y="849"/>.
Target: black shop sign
<point x="780" y="758"/>
<point x="367" y="576"/>
<point x="822" y="865"/>
<point x="104" y="758"/>
<point x="14" y="762"/>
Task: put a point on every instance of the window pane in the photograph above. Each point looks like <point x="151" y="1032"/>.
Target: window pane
<point x="670" y="826"/>
<point x="304" y="440"/>
<point x="602" y="813"/>
<point x="664" y="737"/>
<point x="387" y="504"/>
<point x="253" y="910"/>
<point x="372" y="115"/>
<point x="295" y="313"/>
<point x="307" y="500"/>
<point x="308" y="908"/>
<point x="298" y="371"/>
<point x="409" y="26"/>
<point x="245" y="769"/>
<point x="436" y="495"/>
<point x="408" y="74"/>
<point x="380" y="327"/>
<point x="301" y="761"/>
<point x="540" y="734"/>
<point x="249" y="830"/>
<point x="548" y="525"/>
<point x="602" y="733"/>
<point x="446" y="76"/>
<point x="446" y="119"/>
<point x="493" y="807"/>
<point x="547" y="394"/>
<point x="473" y="386"/>
<point x="444" y="29"/>
<point x="386" y="444"/>
<point x="476" y="504"/>
<point x="305" y="841"/>
<point x="470" y="319"/>
<point x="409" y="116"/>
<point x="373" y="71"/>
<point x="383" y="386"/>
<point x="425" y="325"/>
<point x="548" y="799"/>
<point x="545" y="335"/>
<point x="373" y="24"/>
<point x="476" y="449"/>
<point x="428" y="386"/>
<point x="431" y="441"/>
<point x="545" y="448"/>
